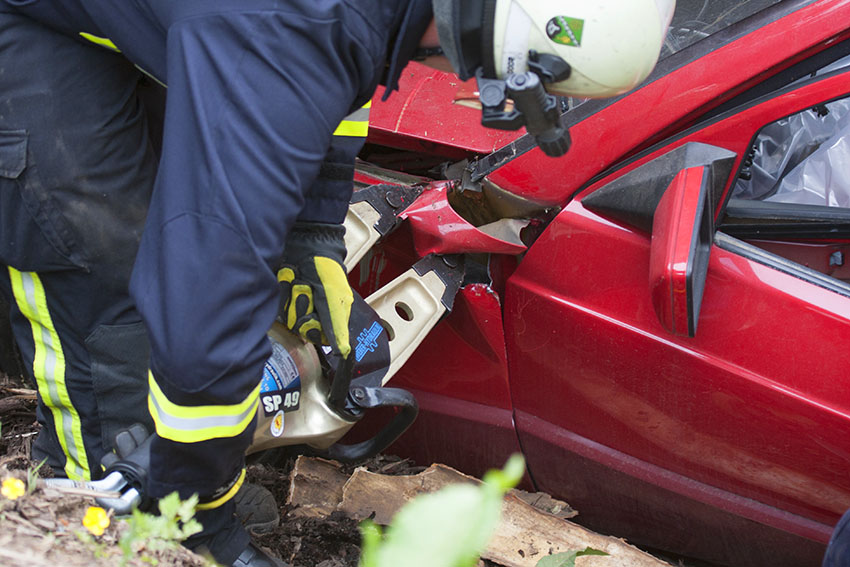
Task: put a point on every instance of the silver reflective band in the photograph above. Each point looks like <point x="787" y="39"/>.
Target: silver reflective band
<point x="48" y="366"/>
<point x="191" y="424"/>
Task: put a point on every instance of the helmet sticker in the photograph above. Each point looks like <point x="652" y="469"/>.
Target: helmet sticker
<point x="566" y="31"/>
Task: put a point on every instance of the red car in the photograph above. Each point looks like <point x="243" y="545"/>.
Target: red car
<point x="659" y="319"/>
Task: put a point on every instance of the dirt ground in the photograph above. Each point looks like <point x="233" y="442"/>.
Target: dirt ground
<point x="44" y="527"/>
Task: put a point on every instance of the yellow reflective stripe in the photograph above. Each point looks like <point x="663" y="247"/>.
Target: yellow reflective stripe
<point x="352" y="129"/>
<point x="355" y="124"/>
<point x="225" y="497"/>
<point x="107" y="43"/>
<point x="191" y="424"/>
<point x="101" y="41"/>
<point x="339" y="298"/>
<point x="49" y="371"/>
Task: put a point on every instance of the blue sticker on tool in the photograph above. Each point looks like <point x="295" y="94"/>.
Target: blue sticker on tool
<point x="280" y="388"/>
<point x="367" y="341"/>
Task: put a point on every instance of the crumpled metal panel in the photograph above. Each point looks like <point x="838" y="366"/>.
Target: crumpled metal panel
<point x="433" y="111"/>
<point x="438" y="229"/>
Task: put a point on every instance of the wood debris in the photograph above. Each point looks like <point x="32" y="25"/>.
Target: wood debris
<point x="315" y="487"/>
<point x="532" y="526"/>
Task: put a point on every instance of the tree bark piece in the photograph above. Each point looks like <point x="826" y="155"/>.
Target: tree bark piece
<point x="524" y="535"/>
<point x="378" y="496"/>
<point x="546" y="503"/>
<point x="315" y="487"/>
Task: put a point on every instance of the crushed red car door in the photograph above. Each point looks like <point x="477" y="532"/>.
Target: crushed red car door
<point x="740" y="431"/>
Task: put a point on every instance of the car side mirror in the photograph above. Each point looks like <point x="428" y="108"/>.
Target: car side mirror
<point x="672" y="197"/>
<point x="682" y="234"/>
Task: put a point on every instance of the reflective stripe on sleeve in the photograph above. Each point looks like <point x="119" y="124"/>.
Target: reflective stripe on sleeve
<point x="192" y="424"/>
<point x="48" y="367"/>
<point x="107" y="43"/>
<point x="355" y="124"/>
<point x="101" y="41"/>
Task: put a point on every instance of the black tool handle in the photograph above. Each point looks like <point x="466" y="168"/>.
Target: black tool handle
<point x="134" y="468"/>
<point x="370" y="398"/>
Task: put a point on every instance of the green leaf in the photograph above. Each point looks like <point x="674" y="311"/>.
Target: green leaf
<point x="190" y="528"/>
<point x="32" y="476"/>
<point x="186" y="510"/>
<point x="567" y="558"/>
<point x="448" y="528"/>
<point x="169" y="506"/>
<point x="442" y="529"/>
<point x="174" y="524"/>
<point x="371" y="534"/>
<point x="508" y="477"/>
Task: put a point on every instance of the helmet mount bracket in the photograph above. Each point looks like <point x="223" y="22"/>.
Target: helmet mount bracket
<point x="532" y="108"/>
<point x="550" y="68"/>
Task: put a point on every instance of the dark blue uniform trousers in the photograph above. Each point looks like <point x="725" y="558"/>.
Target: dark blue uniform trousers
<point x="77" y="168"/>
<point x="76" y="171"/>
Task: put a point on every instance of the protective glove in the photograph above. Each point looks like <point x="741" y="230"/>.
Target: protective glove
<point x="315" y="296"/>
<point x="125" y="443"/>
<point x="132" y="459"/>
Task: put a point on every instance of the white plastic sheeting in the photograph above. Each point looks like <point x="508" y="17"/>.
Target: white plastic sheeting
<point x="803" y="159"/>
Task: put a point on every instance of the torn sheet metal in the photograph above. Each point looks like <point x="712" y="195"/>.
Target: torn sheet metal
<point x="438" y="229"/>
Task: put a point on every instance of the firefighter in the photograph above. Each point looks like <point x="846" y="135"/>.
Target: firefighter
<point x="262" y="122"/>
<point x="838" y="550"/>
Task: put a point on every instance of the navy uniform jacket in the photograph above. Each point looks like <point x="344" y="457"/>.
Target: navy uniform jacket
<point x="255" y="91"/>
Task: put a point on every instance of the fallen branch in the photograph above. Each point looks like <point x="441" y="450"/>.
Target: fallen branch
<point x="77" y="490"/>
<point x="15" y="403"/>
<point x="23" y="392"/>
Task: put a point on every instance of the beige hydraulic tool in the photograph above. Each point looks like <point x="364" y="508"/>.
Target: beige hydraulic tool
<point x="307" y="396"/>
<point x="372" y="214"/>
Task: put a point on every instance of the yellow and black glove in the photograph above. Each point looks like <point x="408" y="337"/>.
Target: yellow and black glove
<point x="315" y="296"/>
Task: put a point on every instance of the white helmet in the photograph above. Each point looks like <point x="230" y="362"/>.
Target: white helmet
<point x="598" y="48"/>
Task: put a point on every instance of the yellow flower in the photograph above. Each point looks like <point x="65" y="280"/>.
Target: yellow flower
<point x="13" y="488"/>
<point x="96" y="520"/>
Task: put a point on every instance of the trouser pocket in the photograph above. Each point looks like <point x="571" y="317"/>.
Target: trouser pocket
<point x="33" y="234"/>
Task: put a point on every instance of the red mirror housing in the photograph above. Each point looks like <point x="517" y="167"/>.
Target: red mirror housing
<point x="682" y="233"/>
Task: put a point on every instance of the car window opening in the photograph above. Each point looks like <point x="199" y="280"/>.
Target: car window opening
<point x="797" y="160"/>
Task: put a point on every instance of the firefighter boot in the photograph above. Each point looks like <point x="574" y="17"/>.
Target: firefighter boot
<point x="253" y="556"/>
<point x="256" y="508"/>
<point x="226" y="540"/>
<point x="225" y="536"/>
